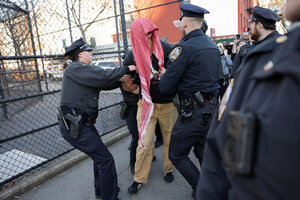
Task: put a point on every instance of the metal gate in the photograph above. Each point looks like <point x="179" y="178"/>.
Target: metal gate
<point x="33" y="38"/>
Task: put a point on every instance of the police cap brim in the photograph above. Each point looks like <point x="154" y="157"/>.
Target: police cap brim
<point x="86" y="48"/>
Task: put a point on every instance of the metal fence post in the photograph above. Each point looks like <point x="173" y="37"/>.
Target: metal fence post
<point x="33" y="47"/>
<point x="2" y="94"/>
<point x="123" y="21"/>
<point x="69" y="22"/>
<point x="17" y="48"/>
<point x="38" y="37"/>
<point x="117" y="30"/>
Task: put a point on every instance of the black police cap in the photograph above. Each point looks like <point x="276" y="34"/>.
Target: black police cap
<point x="77" y="46"/>
<point x="190" y="10"/>
<point x="264" y="15"/>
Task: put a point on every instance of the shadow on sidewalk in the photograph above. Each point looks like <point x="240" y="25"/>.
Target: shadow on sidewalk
<point x="77" y="182"/>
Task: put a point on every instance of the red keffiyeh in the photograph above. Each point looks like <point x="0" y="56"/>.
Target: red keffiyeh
<point x="140" y="48"/>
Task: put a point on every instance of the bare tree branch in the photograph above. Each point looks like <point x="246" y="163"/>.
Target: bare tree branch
<point x="96" y="17"/>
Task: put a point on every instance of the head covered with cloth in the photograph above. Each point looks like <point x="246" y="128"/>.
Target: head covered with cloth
<point x="142" y="33"/>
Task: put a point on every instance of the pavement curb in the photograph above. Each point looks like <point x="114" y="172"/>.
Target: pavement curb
<point x="56" y="167"/>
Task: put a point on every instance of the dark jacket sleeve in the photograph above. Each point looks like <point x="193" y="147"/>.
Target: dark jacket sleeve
<point x="112" y="86"/>
<point x="235" y="64"/>
<point x="129" y="59"/>
<point x="167" y="48"/>
<point x="95" y="76"/>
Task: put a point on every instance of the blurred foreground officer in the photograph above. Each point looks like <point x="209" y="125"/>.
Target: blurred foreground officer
<point x="81" y="85"/>
<point x="192" y="73"/>
<point x="256" y="136"/>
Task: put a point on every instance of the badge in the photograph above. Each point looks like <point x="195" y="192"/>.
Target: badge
<point x="268" y="66"/>
<point x="175" y="53"/>
<point x="281" y="39"/>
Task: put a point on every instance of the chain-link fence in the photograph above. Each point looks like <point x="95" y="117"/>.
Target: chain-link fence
<point x="33" y="37"/>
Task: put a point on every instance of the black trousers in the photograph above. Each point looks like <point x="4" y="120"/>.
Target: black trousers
<point x="188" y="134"/>
<point x="105" y="176"/>
<point x="133" y="130"/>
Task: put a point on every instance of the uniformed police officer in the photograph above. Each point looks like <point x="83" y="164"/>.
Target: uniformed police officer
<point x="232" y="138"/>
<point x="81" y="85"/>
<point x="192" y="73"/>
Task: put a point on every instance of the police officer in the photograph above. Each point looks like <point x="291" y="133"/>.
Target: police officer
<point x="81" y="85"/>
<point x="192" y="73"/>
<point x="225" y="144"/>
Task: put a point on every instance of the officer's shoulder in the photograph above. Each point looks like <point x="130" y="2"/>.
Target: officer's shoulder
<point x="176" y="52"/>
<point x="164" y="44"/>
<point x="74" y="65"/>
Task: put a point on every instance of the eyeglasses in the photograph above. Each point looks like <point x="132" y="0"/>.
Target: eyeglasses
<point x="177" y="23"/>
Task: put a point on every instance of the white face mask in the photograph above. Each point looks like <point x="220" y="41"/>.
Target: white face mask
<point x="177" y="23"/>
<point x="220" y="49"/>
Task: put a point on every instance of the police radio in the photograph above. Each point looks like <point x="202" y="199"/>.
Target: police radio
<point x="240" y="141"/>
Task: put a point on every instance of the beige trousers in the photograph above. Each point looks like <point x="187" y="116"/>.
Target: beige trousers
<point x="166" y="114"/>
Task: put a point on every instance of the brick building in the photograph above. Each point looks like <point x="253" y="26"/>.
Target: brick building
<point x="161" y="16"/>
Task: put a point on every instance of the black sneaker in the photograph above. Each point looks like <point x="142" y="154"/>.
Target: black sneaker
<point x="169" y="177"/>
<point x="158" y="143"/>
<point x="134" y="188"/>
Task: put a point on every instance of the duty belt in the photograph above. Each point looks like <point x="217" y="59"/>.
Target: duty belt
<point x="191" y="95"/>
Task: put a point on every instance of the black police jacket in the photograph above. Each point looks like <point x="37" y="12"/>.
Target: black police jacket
<point x="156" y="95"/>
<point x="273" y="96"/>
<point x="82" y="83"/>
<point x="215" y="182"/>
<point x="193" y="65"/>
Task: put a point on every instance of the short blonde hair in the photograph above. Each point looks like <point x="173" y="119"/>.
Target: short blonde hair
<point x="194" y="20"/>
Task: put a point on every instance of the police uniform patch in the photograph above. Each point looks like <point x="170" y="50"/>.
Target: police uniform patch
<point x="268" y="66"/>
<point x="281" y="39"/>
<point x="175" y="53"/>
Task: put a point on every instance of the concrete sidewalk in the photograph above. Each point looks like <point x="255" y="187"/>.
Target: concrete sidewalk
<point x="77" y="182"/>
